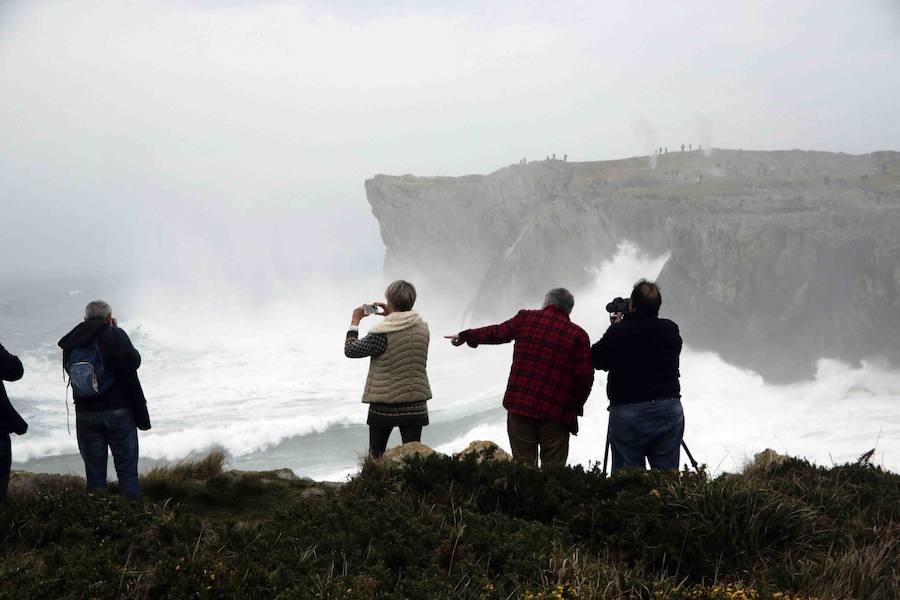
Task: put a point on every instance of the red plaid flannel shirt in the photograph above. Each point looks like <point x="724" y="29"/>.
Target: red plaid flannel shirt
<point x="551" y="374"/>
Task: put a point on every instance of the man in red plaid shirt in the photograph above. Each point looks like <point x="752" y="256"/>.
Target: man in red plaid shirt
<point x="550" y="378"/>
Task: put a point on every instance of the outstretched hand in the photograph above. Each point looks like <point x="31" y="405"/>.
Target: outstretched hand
<point x="454" y="339"/>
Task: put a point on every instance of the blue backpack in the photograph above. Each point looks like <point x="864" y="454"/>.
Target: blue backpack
<point x="87" y="376"/>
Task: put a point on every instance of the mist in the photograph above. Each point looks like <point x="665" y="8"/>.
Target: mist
<point x="181" y="138"/>
<point x="201" y="166"/>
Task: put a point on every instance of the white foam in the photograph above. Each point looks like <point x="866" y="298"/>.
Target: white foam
<point x="732" y="413"/>
<point x="218" y="373"/>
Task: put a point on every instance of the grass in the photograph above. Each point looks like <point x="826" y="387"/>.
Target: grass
<point x="446" y="528"/>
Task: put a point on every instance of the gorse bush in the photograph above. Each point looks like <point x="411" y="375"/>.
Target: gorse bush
<point x="445" y="528"/>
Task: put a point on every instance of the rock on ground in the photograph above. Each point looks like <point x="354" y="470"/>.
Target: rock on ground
<point x="485" y="450"/>
<point x="765" y="460"/>
<point x="398" y="455"/>
<point x="23" y="484"/>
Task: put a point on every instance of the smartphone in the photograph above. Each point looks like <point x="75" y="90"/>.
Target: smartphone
<point x="371" y="309"/>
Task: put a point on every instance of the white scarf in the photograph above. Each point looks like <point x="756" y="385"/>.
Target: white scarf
<point x="397" y="321"/>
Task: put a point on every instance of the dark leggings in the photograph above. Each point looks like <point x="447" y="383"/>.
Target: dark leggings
<point x="5" y="463"/>
<point x="378" y="437"/>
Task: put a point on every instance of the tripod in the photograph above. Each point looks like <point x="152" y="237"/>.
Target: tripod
<point x="607" y="446"/>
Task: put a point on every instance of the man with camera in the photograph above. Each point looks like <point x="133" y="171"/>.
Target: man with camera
<point x="550" y="378"/>
<point x="641" y="352"/>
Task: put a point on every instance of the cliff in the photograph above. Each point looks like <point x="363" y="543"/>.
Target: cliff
<point x="775" y="258"/>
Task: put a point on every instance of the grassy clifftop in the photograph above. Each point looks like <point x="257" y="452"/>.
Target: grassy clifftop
<point x="448" y="528"/>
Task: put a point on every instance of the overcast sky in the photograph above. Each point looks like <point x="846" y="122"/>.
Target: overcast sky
<point x="149" y="132"/>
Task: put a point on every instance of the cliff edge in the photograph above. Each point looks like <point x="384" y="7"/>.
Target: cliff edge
<point x="776" y="259"/>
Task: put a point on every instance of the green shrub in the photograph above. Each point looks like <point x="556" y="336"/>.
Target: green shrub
<point x="443" y="528"/>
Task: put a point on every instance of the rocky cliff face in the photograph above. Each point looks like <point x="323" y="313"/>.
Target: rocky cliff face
<point x="775" y="258"/>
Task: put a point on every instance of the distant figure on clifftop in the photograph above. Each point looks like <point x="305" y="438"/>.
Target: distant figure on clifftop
<point x="641" y="353"/>
<point x="682" y="147"/>
<point x="550" y="379"/>
<point x="565" y="158"/>
<point x="10" y="421"/>
<point x="110" y="406"/>
<point x="397" y="388"/>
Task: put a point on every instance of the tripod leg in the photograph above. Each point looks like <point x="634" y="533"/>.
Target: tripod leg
<point x="690" y="456"/>
<point x="606" y="450"/>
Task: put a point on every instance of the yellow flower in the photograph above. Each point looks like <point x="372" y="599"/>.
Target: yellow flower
<point x="655" y="492"/>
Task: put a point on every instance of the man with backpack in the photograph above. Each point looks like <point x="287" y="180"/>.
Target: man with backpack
<point x="109" y="403"/>
<point x="10" y="421"/>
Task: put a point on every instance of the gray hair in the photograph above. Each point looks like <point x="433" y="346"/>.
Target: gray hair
<point x="401" y="295"/>
<point x="98" y="309"/>
<point x="560" y="297"/>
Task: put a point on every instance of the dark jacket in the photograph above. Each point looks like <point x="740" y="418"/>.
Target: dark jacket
<point x="551" y="374"/>
<point x="10" y="370"/>
<point x="121" y="358"/>
<point x="641" y="354"/>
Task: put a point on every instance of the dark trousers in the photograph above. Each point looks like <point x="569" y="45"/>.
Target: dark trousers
<point x="115" y="430"/>
<point x="646" y="431"/>
<point x="528" y="436"/>
<point x="5" y="463"/>
<point x="378" y="437"/>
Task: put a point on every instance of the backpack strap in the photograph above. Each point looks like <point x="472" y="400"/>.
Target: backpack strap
<point x="68" y="426"/>
<point x="68" y="387"/>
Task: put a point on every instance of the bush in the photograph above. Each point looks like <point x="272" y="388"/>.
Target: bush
<point x="445" y="528"/>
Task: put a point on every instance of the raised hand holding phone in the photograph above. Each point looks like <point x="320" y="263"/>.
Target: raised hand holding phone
<point x="359" y="313"/>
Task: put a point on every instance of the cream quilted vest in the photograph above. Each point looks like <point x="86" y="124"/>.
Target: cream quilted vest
<point x="399" y="374"/>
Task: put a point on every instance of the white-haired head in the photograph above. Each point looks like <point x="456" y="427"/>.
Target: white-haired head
<point x="561" y="298"/>
<point x="98" y="309"/>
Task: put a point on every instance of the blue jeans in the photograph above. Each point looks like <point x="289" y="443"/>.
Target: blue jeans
<point x="5" y="463"/>
<point x="113" y="429"/>
<point x="649" y="431"/>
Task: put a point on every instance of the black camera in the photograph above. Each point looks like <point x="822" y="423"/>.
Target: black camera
<point x="618" y="306"/>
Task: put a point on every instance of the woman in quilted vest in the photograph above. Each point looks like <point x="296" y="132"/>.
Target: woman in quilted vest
<point x="397" y="389"/>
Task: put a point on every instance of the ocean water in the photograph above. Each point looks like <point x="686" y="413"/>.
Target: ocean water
<point x="263" y="375"/>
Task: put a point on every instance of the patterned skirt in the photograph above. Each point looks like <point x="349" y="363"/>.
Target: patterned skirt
<point x="403" y="414"/>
